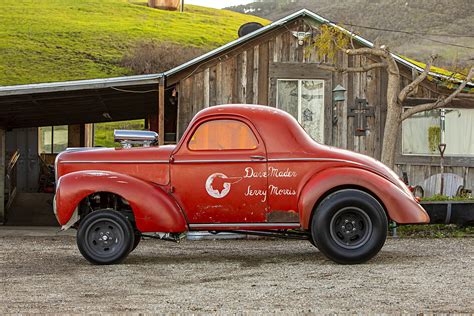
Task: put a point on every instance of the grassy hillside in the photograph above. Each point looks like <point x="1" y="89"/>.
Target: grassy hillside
<point x="55" y="40"/>
<point x="104" y="132"/>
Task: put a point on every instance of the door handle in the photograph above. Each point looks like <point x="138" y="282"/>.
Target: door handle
<point x="257" y="157"/>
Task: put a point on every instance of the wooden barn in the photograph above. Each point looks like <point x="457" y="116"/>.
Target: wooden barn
<point x="273" y="66"/>
<point x="270" y="66"/>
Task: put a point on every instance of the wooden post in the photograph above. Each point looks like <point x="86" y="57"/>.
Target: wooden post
<point x="152" y="123"/>
<point x="161" y="111"/>
<point x="74" y="136"/>
<point x="2" y="175"/>
<point x="88" y="139"/>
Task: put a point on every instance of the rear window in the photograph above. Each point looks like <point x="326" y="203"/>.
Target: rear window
<point x="223" y="135"/>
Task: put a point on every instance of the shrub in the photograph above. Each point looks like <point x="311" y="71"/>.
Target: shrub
<point x="148" y="57"/>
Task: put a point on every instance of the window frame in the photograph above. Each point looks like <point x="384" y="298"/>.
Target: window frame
<point x="52" y="152"/>
<point x="199" y="124"/>
<point x="432" y="155"/>
<point x="300" y="90"/>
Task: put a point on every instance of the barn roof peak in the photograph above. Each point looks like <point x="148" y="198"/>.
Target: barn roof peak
<point x="298" y="14"/>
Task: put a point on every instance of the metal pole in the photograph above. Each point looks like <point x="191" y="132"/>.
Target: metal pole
<point x="442" y="148"/>
<point x="182" y="6"/>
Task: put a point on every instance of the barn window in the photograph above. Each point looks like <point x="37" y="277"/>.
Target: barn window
<point x="52" y="139"/>
<point x="304" y="100"/>
<point x="223" y="135"/>
<point x="421" y="133"/>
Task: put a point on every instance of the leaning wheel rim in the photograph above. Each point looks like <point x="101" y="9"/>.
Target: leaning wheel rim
<point x="105" y="238"/>
<point x="351" y="227"/>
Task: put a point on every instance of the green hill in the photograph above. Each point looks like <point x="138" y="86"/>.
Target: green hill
<point x="55" y="40"/>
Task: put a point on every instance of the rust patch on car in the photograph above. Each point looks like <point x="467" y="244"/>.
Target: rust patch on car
<point x="283" y="217"/>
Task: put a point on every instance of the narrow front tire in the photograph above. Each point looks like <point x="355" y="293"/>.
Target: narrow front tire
<point x="105" y="237"/>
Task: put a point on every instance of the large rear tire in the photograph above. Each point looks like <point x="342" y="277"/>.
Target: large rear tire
<point x="105" y="237"/>
<point x="349" y="226"/>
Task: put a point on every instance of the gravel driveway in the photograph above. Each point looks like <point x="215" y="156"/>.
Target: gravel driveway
<point x="45" y="273"/>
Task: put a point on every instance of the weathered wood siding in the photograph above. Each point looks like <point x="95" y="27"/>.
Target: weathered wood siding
<point x="249" y="74"/>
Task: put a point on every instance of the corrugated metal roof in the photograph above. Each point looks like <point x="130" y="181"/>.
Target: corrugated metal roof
<point x="80" y="84"/>
<point x="298" y="14"/>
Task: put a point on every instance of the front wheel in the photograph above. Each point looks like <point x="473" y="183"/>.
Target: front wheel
<point x="105" y="237"/>
<point x="138" y="237"/>
<point x="349" y="226"/>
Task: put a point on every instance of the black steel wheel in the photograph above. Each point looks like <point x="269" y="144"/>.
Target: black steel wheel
<point x="349" y="226"/>
<point x="105" y="237"/>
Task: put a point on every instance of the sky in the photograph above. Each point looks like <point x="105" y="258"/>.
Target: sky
<point x="217" y="3"/>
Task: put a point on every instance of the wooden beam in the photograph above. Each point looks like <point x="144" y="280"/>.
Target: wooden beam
<point x="263" y="78"/>
<point x="74" y="135"/>
<point x="161" y="112"/>
<point x="152" y="122"/>
<point x="88" y="135"/>
<point x="2" y="176"/>
<point x="458" y="103"/>
<point x="298" y="71"/>
<point x="466" y="95"/>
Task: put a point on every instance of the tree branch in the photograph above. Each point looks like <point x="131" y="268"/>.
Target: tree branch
<point x="440" y="102"/>
<point x="380" y="52"/>
<point x="363" y="68"/>
<point x="409" y="89"/>
<point x="352" y="39"/>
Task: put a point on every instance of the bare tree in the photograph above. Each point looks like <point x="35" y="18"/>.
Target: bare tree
<point x="395" y="95"/>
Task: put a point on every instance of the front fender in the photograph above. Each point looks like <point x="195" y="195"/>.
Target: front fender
<point x="153" y="208"/>
<point x="401" y="208"/>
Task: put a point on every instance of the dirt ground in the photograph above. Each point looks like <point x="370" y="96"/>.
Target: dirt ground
<point x="44" y="272"/>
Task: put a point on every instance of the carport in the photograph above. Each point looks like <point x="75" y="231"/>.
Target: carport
<point x="75" y="104"/>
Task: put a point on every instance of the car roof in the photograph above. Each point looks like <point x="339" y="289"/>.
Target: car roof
<point x="279" y="130"/>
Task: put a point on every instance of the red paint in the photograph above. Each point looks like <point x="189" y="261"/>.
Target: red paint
<point x="286" y="171"/>
<point x="154" y="209"/>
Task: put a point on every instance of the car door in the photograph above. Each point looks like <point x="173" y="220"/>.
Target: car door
<point x="218" y="172"/>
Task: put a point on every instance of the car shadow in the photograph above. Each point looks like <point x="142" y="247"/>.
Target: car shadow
<point x="266" y="257"/>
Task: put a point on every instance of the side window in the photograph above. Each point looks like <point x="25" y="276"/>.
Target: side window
<point x="52" y="139"/>
<point x="223" y="135"/>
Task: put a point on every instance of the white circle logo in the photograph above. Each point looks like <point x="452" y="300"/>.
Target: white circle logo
<point x="217" y="185"/>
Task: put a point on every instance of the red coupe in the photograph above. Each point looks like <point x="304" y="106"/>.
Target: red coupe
<point x="243" y="168"/>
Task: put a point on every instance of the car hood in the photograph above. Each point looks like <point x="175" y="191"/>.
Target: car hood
<point x="135" y="162"/>
<point x="98" y="154"/>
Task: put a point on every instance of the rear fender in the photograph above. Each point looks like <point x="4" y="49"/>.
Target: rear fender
<point x="154" y="210"/>
<point x="400" y="207"/>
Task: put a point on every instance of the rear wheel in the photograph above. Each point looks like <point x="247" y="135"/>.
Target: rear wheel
<point x="349" y="226"/>
<point x="105" y="237"/>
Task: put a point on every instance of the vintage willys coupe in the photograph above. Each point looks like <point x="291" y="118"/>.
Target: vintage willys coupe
<point x="242" y="168"/>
